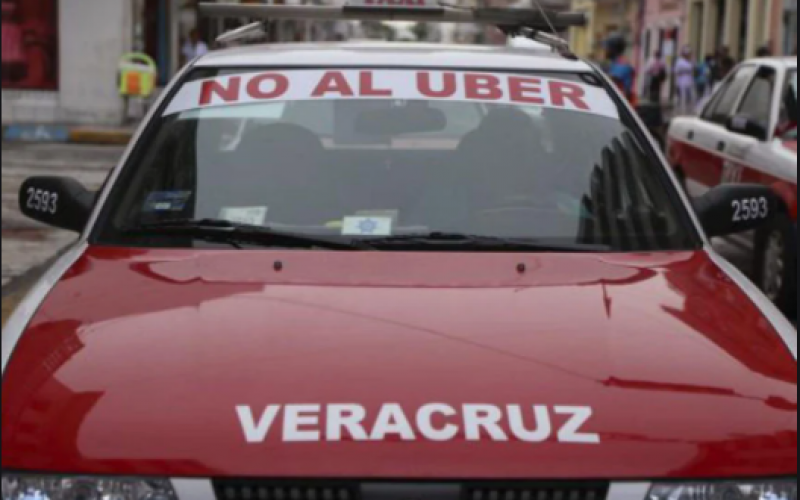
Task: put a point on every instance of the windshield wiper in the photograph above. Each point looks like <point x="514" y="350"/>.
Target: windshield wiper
<point x="470" y="242"/>
<point x="236" y="234"/>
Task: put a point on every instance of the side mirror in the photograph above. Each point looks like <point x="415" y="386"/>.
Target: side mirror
<point x="736" y="208"/>
<point x="60" y="202"/>
<point x="744" y="125"/>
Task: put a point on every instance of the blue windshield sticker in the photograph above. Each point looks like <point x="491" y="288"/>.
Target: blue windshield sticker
<point x="367" y="226"/>
<point x="167" y="201"/>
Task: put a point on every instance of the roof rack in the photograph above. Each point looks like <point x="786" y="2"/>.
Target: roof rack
<point x="536" y="24"/>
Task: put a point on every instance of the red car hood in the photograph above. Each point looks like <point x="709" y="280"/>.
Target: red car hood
<point x="138" y="361"/>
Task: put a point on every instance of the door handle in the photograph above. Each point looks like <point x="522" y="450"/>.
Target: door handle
<point x="720" y="146"/>
<point x="691" y="135"/>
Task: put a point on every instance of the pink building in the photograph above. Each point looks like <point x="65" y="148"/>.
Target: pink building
<point x="664" y="25"/>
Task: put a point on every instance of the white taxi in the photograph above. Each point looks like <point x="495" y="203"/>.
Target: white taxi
<point x="747" y="133"/>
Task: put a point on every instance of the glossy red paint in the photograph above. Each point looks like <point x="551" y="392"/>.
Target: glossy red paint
<point x="136" y="361"/>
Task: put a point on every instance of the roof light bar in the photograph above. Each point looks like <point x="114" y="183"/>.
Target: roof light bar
<point x="412" y="11"/>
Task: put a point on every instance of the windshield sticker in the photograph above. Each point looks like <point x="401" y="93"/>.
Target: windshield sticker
<point x="255" y="216"/>
<point x="367" y="226"/>
<point x="305" y="85"/>
<point x="167" y="201"/>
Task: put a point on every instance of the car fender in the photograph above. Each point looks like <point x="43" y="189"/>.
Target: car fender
<point x="28" y="307"/>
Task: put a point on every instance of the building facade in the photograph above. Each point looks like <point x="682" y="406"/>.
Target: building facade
<point x="664" y="31"/>
<point x="606" y="18"/>
<point x="744" y="26"/>
<point x="784" y="27"/>
<point x="61" y="58"/>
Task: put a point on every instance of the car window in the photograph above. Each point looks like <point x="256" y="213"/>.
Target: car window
<point x="722" y="107"/>
<point x="375" y="153"/>
<point x="787" y="122"/>
<point x="757" y="101"/>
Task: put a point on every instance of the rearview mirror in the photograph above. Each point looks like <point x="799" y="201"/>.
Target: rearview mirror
<point x="60" y="202"/>
<point x="399" y="120"/>
<point x="736" y="208"/>
<point x="744" y="125"/>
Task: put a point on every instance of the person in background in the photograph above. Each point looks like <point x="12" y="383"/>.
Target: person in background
<point x="656" y="73"/>
<point x="702" y="77"/>
<point x="685" y="82"/>
<point x="194" y="46"/>
<point x="620" y="69"/>
<point x="724" y="65"/>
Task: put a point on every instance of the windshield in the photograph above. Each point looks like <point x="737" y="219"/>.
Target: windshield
<point x="360" y="154"/>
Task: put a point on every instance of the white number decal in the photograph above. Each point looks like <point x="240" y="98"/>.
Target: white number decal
<point x="42" y="201"/>
<point x="750" y="209"/>
<point x="31" y="193"/>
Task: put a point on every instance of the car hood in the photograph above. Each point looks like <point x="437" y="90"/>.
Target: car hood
<point x="141" y="362"/>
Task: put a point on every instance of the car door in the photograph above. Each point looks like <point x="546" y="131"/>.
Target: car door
<point x="709" y="139"/>
<point x="761" y="104"/>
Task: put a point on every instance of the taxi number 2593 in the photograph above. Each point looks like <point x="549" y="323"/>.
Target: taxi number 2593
<point x="750" y="209"/>
<point x="43" y="201"/>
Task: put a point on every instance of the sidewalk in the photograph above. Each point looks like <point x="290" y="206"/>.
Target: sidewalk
<point x="72" y="134"/>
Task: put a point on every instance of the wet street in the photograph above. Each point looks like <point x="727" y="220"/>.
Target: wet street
<point x="27" y="244"/>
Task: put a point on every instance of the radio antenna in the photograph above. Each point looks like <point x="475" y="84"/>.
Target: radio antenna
<point x="546" y="17"/>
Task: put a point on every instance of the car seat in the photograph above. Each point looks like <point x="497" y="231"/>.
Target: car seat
<point x="280" y="167"/>
<point x="499" y="157"/>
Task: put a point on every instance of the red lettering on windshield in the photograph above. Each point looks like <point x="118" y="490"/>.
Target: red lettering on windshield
<point x="279" y="86"/>
<point x="448" y="85"/>
<point x="485" y="87"/>
<point x="333" y="81"/>
<point x="561" y="92"/>
<point x="367" y="86"/>
<point x="525" y="90"/>
<point x="213" y="88"/>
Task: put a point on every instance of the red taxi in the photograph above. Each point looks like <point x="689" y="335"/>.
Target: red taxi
<point x="747" y="132"/>
<point x="396" y="272"/>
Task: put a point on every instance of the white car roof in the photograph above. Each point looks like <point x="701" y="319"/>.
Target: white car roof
<point x="382" y="54"/>
<point x="789" y="62"/>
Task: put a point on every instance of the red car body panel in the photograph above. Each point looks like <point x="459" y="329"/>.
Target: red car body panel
<point x="136" y="361"/>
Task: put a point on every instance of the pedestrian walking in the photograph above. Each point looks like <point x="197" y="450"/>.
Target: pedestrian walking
<point x="702" y="77"/>
<point x="685" y="82"/>
<point x="620" y="69"/>
<point x="656" y="74"/>
<point x="724" y="64"/>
